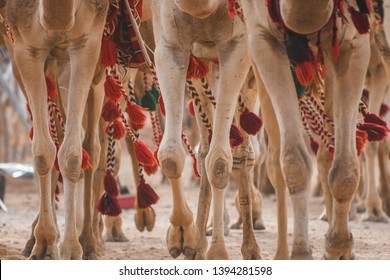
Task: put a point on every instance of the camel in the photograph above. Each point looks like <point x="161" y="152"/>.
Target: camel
<point x="37" y="28"/>
<point x="346" y="56"/>
<point x="180" y="24"/>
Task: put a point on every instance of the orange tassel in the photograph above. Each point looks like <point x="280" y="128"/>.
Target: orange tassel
<point x="162" y="106"/>
<point x="197" y="68"/>
<point x="108" y="205"/>
<point x="236" y="137"/>
<point x="110" y="111"/>
<point x="119" y="129"/>
<point x="85" y="163"/>
<point x="136" y="113"/>
<point x="108" y="52"/>
<point x="110" y="184"/>
<point x="143" y="154"/>
<point x="305" y="72"/>
<point x="250" y="122"/>
<point x="150" y="170"/>
<point x="112" y="89"/>
<point x="51" y="88"/>
<point x="146" y="196"/>
<point x="190" y="106"/>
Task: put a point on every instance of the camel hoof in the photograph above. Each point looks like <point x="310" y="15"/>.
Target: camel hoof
<point x="145" y="218"/>
<point x="337" y="248"/>
<point x="376" y="217"/>
<point x="189" y="253"/>
<point x="175" y="252"/>
<point x="258" y="225"/>
<point x="26" y="252"/>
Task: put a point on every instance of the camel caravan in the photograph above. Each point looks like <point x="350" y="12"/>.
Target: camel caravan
<point x="93" y="71"/>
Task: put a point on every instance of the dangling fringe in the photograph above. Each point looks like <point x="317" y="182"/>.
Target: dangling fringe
<point x="118" y="129"/>
<point x="108" y="52"/>
<point x="110" y="184"/>
<point x="51" y="88"/>
<point x="236" y="137"/>
<point x="360" y="20"/>
<point x="112" y="89"/>
<point x="250" y="122"/>
<point x="136" y="114"/>
<point x="143" y="154"/>
<point x="85" y="163"/>
<point x="373" y="118"/>
<point x="190" y="106"/>
<point x="305" y="72"/>
<point x="375" y="132"/>
<point x="146" y="196"/>
<point x="109" y="206"/>
<point x="149" y="101"/>
<point x="110" y="111"/>
<point x="197" y="68"/>
<point x="150" y="170"/>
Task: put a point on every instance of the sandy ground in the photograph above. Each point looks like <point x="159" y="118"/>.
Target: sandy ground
<point x="372" y="240"/>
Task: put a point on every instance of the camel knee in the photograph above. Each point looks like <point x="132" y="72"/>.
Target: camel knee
<point x="344" y="178"/>
<point x="297" y="169"/>
<point x="171" y="160"/>
<point x="70" y="165"/>
<point x="219" y="166"/>
<point x="44" y="159"/>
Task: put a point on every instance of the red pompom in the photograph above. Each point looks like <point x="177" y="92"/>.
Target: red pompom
<point x="373" y="118"/>
<point x="146" y="196"/>
<point x="108" y="205"/>
<point x="162" y="106"/>
<point x="250" y="122"/>
<point x="360" y="20"/>
<point x="136" y="127"/>
<point x="143" y="154"/>
<point x="51" y="88"/>
<point x="305" y="72"/>
<point x="314" y="145"/>
<point x="108" y="52"/>
<point x="119" y="129"/>
<point x="384" y="110"/>
<point x="110" y="111"/>
<point x="110" y="184"/>
<point x="197" y="68"/>
<point x="136" y="113"/>
<point x="85" y="160"/>
<point x="236" y="137"/>
<point x="361" y="140"/>
<point x="112" y="89"/>
<point x="375" y="132"/>
<point x="150" y="170"/>
<point x="190" y="106"/>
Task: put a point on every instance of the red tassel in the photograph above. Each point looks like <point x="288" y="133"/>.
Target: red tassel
<point x="375" y="132"/>
<point x="150" y="170"/>
<point x="31" y="133"/>
<point x="146" y="196"/>
<point x="250" y="122"/>
<point x="112" y="89"/>
<point x="314" y="145"/>
<point x="384" y="110"/>
<point x="136" y="113"/>
<point x="108" y="52"/>
<point x="119" y="129"/>
<point x="373" y="118"/>
<point x="197" y="68"/>
<point x="110" y="111"/>
<point x="361" y="140"/>
<point x="85" y="163"/>
<point x="190" y="106"/>
<point x="360" y="20"/>
<point x="231" y="8"/>
<point x="136" y="127"/>
<point x="51" y="88"/>
<point x="162" y="106"/>
<point x="236" y="137"/>
<point x="143" y="154"/>
<point x="195" y="167"/>
<point x="108" y="205"/>
<point x="110" y="184"/>
<point x="305" y="72"/>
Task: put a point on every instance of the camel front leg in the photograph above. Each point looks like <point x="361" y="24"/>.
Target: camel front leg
<point x="234" y="66"/>
<point x="348" y="73"/>
<point x="84" y="58"/>
<point x="171" y="66"/>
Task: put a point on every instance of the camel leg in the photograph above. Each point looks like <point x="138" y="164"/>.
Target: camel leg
<point x="345" y="171"/>
<point x="183" y="234"/>
<point x="219" y="159"/>
<point x="384" y="167"/>
<point x="83" y="64"/>
<point x="91" y="144"/>
<point x="32" y="73"/>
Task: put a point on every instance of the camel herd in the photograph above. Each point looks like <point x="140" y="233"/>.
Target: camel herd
<point x="302" y="64"/>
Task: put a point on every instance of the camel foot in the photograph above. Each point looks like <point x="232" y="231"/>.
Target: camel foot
<point x="183" y="240"/>
<point x="71" y="250"/>
<point x="250" y="251"/>
<point x="281" y="255"/>
<point x="375" y="215"/>
<point x="301" y="252"/>
<point x="145" y="218"/>
<point x="337" y="248"/>
<point x="217" y="251"/>
<point x="26" y="252"/>
<point x="258" y="224"/>
<point x="90" y="247"/>
<point x="43" y="252"/>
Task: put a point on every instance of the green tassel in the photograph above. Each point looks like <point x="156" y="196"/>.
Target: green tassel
<point x="301" y="90"/>
<point x="156" y="93"/>
<point x="149" y="101"/>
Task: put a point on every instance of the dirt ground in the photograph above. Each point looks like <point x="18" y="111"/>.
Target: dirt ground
<point x="372" y="240"/>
